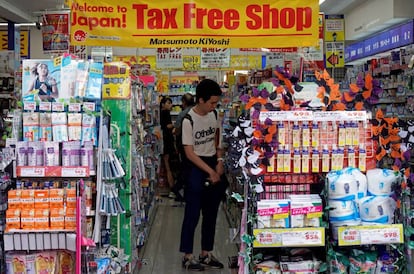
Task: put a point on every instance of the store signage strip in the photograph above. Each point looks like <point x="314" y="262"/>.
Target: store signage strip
<point x="195" y="23"/>
<point x="392" y="38"/>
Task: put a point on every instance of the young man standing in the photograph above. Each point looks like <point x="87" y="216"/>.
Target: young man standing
<point x="205" y="188"/>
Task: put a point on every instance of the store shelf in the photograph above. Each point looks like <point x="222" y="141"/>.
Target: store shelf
<point x="52" y="171"/>
<point x="289" y="237"/>
<point x="368" y="235"/>
<point x="39" y="240"/>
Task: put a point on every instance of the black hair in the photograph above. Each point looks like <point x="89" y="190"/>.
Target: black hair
<point x="164" y="100"/>
<point x="188" y="99"/>
<point x="207" y="88"/>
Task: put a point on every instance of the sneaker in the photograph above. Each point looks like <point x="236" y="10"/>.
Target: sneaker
<point x="192" y="264"/>
<point x="210" y="261"/>
<point x="171" y="195"/>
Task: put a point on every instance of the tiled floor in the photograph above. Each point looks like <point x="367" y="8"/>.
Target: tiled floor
<point x="161" y="254"/>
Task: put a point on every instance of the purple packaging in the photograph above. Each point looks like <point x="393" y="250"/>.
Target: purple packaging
<point x="51" y="153"/>
<point x="35" y="154"/>
<point x="71" y="153"/>
<point x="87" y="158"/>
<point x="21" y="153"/>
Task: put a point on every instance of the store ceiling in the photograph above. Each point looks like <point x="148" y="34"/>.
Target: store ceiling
<point x="28" y="11"/>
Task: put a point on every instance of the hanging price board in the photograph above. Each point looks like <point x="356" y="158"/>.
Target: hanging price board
<point x="273" y="237"/>
<point x="302" y="238"/>
<point x="267" y="238"/>
<point x="376" y="234"/>
<point x="75" y="172"/>
<point x="31" y="172"/>
<point x="388" y="235"/>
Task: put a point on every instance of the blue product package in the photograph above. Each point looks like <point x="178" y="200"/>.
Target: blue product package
<point x="94" y="87"/>
<point x="31" y="126"/>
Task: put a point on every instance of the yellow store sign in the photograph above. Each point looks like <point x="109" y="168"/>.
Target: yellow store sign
<point x="24" y="42"/>
<point x="196" y="23"/>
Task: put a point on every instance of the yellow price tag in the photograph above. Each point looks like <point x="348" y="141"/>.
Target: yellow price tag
<point x="314" y="215"/>
<point x="280" y="216"/>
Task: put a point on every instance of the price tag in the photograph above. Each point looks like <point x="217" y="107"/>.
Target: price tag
<point x="386" y="235"/>
<point x="58" y="106"/>
<point x="89" y="106"/>
<point x="29" y="105"/>
<point x="74" y="172"/>
<point x="74" y="107"/>
<point x="348" y="236"/>
<point x="45" y="106"/>
<point x="269" y="238"/>
<point x="302" y="237"/>
<point x="32" y="172"/>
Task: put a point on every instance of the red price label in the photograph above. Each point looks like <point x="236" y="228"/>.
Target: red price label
<point x="311" y="236"/>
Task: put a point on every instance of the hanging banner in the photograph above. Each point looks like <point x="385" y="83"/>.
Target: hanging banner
<point x="275" y="59"/>
<point x="55" y="33"/>
<point x="79" y="51"/>
<point x="116" y="81"/>
<point x="215" y="58"/>
<point x="335" y="41"/>
<point x="24" y="42"/>
<point x="169" y="58"/>
<point x="207" y="23"/>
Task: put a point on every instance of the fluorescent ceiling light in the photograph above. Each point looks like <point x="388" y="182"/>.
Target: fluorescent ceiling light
<point x="20" y="24"/>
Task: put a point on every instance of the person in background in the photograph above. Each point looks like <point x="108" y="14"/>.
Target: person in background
<point x="44" y="83"/>
<point x="168" y="140"/>
<point x="187" y="102"/>
<point x="205" y="187"/>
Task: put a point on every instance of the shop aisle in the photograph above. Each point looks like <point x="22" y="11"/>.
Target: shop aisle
<point x="161" y="254"/>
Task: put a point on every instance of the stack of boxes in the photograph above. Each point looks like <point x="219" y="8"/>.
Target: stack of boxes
<point x="41" y="209"/>
<point x="297" y="211"/>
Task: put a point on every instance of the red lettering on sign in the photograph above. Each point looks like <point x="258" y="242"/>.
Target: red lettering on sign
<point x="94" y="22"/>
<point x="155" y="18"/>
<point x="265" y="17"/>
<point x="212" y="18"/>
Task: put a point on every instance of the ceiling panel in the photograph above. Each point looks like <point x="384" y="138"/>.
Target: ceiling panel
<point x="27" y="11"/>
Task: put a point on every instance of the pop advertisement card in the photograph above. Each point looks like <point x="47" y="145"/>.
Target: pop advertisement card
<point x="41" y="80"/>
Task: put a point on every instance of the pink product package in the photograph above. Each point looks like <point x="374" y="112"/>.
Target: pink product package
<point x="35" y="154"/>
<point x="21" y="153"/>
<point x="51" y="153"/>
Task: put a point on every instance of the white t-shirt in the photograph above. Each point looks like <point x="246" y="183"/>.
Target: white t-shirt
<point x="202" y="134"/>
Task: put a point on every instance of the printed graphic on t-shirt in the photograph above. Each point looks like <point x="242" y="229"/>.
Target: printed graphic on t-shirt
<point x="204" y="136"/>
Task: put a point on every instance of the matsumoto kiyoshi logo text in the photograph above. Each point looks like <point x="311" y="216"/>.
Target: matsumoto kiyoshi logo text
<point x="191" y="17"/>
<point x="200" y="41"/>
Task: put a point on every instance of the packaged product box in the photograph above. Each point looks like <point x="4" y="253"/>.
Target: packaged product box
<point x="41" y="197"/>
<point x="56" y="197"/>
<point x="57" y="218"/>
<point x="12" y="218"/>
<point x="70" y="197"/>
<point x="306" y="210"/>
<point x="19" y="262"/>
<point x="41" y="220"/>
<point x="27" y="198"/>
<point x="27" y="218"/>
<point x="46" y="261"/>
<point x="13" y="198"/>
<point x="66" y="262"/>
<point x="30" y="126"/>
<point x="273" y="213"/>
<point x="70" y="218"/>
<point x="89" y="190"/>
